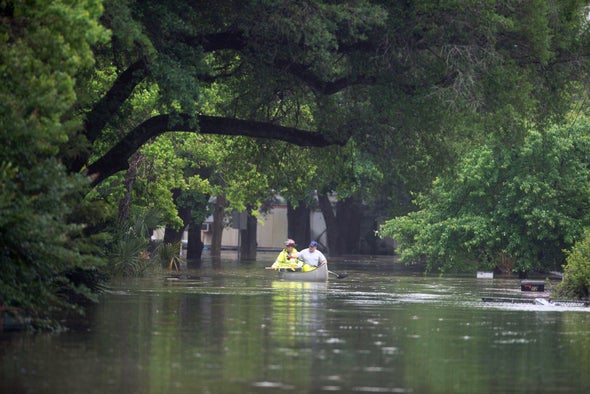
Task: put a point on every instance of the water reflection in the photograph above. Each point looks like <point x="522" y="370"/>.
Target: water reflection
<point x="239" y="330"/>
<point x="295" y="324"/>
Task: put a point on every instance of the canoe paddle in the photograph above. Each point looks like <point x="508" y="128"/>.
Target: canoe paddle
<point x="339" y="276"/>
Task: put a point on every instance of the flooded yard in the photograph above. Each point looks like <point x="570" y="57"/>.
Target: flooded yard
<point x="237" y="329"/>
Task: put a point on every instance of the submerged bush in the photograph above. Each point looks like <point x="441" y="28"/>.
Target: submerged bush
<point x="576" y="280"/>
<point x="129" y="256"/>
<point x="169" y="256"/>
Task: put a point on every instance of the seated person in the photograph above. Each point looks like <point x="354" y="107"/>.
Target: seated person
<point x="311" y="257"/>
<point x="288" y="257"/>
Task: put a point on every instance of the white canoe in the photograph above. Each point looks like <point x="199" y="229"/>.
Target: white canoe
<point x="319" y="274"/>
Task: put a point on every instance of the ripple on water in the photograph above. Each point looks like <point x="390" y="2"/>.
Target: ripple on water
<point x="514" y="341"/>
<point x="533" y="307"/>
<point x="335" y="340"/>
<point x="272" y="385"/>
<point x="371" y="389"/>
<point x="331" y="388"/>
<point x="389" y="350"/>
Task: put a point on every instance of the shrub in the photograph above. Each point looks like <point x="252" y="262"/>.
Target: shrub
<point x="576" y="280"/>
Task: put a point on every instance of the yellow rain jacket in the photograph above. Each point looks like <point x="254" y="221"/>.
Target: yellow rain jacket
<point x="287" y="260"/>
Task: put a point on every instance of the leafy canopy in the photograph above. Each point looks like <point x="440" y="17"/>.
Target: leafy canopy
<point x="526" y="204"/>
<point x="43" y="47"/>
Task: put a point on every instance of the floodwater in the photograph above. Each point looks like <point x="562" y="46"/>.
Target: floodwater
<point x="237" y="329"/>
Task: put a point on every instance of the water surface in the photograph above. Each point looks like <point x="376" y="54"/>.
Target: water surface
<point x="238" y="329"/>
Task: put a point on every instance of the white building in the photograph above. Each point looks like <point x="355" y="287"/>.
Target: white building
<point x="271" y="232"/>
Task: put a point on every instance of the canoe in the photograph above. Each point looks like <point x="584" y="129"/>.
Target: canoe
<point x="319" y="274"/>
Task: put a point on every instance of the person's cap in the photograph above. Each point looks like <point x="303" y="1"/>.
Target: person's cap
<point x="313" y="244"/>
<point x="289" y="242"/>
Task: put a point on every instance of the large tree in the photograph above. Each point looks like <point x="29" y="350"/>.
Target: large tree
<point x="392" y="61"/>
<point x="400" y="79"/>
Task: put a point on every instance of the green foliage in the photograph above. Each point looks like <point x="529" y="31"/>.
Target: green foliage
<point x="169" y="256"/>
<point x="38" y="240"/>
<point x="525" y="203"/>
<point x="128" y="255"/>
<point x="576" y="280"/>
<point x="407" y="82"/>
<point x="161" y="172"/>
<point x="43" y="45"/>
<point x="180" y="161"/>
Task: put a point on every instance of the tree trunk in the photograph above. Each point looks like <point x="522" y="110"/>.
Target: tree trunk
<point x="194" y="247"/>
<point x="342" y="226"/>
<point x="348" y="216"/>
<point x="130" y="176"/>
<point x="172" y="235"/>
<point x="298" y="226"/>
<point x="248" y="244"/>
<point x="217" y="230"/>
<point x="332" y="230"/>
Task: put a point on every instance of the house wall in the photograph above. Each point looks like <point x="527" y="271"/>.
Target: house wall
<point x="271" y="232"/>
<point x="318" y="229"/>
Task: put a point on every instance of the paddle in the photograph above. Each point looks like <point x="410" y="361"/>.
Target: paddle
<point x="339" y="276"/>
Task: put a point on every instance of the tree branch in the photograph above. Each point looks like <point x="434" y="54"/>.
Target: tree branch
<point x="116" y="159"/>
<point x="303" y="73"/>
<point x="215" y="41"/>
<point x="107" y="106"/>
<point x="103" y="111"/>
<point x="234" y="40"/>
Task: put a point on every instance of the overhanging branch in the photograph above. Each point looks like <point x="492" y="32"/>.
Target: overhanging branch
<point x="104" y="110"/>
<point x="116" y="159"/>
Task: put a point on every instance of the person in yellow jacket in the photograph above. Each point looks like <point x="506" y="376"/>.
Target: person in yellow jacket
<point x="288" y="257"/>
